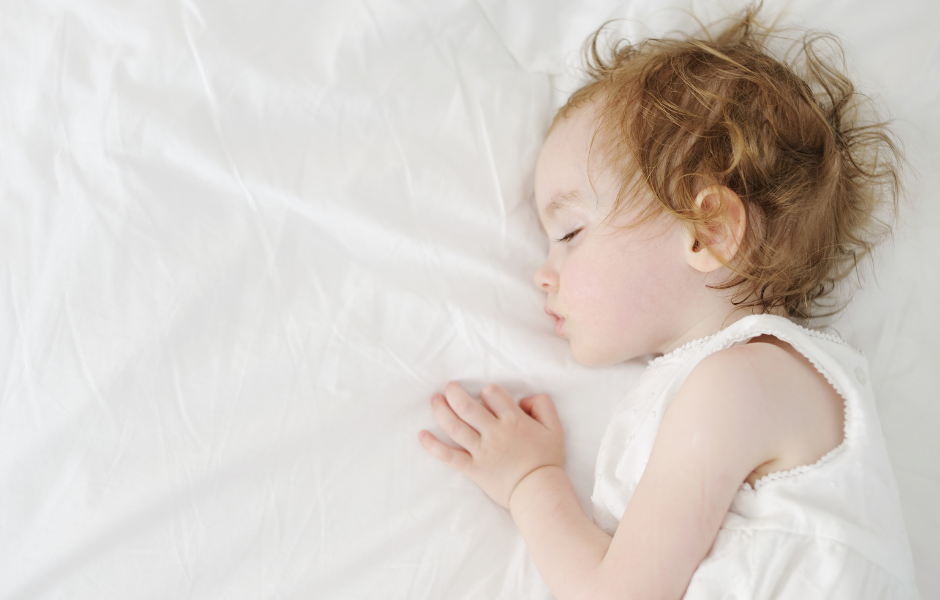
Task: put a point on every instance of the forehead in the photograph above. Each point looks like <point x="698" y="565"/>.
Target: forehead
<point x="562" y="178"/>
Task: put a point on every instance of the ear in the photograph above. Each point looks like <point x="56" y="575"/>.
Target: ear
<point x="720" y="237"/>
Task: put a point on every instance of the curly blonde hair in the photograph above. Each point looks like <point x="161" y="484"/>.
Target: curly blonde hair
<point x="819" y="181"/>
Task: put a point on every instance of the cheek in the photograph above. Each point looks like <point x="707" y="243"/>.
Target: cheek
<point x="618" y="294"/>
<point x="587" y="287"/>
<point x="610" y="287"/>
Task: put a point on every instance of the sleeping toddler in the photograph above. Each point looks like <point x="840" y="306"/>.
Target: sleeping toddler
<point x="703" y="201"/>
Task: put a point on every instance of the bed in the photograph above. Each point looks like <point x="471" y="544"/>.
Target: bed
<point x="244" y="243"/>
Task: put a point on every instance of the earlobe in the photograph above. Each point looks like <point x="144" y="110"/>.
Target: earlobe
<point x="698" y="256"/>
<point x="721" y="235"/>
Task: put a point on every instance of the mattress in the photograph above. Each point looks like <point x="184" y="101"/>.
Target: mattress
<point x="243" y="244"/>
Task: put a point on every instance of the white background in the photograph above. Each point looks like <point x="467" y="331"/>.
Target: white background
<point x="243" y="243"/>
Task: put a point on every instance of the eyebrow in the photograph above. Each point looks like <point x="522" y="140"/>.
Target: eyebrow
<point x="562" y="200"/>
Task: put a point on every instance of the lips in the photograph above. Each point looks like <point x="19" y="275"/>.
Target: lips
<point x="559" y="321"/>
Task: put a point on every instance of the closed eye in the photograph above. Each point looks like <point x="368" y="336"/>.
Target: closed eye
<point x="570" y="236"/>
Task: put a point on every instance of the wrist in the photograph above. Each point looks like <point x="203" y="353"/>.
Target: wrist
<point x="532" y="480"/>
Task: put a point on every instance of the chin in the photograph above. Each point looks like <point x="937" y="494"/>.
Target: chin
<point x="600" y="357"/>
<point x="590" y="357"/>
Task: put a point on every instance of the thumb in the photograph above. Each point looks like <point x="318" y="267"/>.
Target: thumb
<point x="542" y="409"/>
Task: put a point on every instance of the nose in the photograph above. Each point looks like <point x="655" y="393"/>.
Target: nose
<point x="546" y="277"/>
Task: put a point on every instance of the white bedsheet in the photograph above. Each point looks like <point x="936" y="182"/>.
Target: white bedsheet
<point x="243" y="244"/>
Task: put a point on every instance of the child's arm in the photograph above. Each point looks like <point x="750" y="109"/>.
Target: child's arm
<point x="713" y="435"/>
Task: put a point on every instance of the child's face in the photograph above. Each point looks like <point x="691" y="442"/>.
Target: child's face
<point x="615" y="293"/>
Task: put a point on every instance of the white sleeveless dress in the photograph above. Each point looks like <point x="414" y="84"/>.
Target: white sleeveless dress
<point x="830" y="530"/>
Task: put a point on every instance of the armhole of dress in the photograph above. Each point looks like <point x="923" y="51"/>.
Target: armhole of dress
<point x="847" y="414"/>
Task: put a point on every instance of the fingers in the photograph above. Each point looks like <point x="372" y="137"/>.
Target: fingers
<point x="542" y="410"/>
<point x="468" y="409"/>
<point x="452" y="457"/>
<point x="498" y="400"/>
<point x="453" y="425"/>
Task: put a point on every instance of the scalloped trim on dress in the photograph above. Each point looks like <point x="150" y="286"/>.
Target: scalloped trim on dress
<point x="847" y="415"/>
<point x="699" y="341"/>
<point x="825" y="458"/>
<point x="749" y="330"/>
<point x="681" y="349"/>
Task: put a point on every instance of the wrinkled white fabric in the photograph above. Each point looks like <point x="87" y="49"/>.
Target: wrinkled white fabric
<point x="832" y="529"/>
<point x="242" y="243"/>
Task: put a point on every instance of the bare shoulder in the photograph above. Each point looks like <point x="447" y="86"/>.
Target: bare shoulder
<point x="773" y="398"/>
<point x="741" y="413"/>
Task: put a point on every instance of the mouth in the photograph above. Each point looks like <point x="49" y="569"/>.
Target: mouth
<point x="559" y="321"/>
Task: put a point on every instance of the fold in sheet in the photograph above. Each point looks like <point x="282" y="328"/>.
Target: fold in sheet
<point x="245" y="244"/>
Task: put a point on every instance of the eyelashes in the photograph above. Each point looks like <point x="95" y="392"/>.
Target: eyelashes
<point x="570" y="236"/>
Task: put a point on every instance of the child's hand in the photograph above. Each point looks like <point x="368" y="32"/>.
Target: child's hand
<point x="504" y="441"/>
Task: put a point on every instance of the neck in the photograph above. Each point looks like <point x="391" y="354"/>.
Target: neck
<point x="707" y="324"/>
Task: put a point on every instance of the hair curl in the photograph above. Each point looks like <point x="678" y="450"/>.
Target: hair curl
<point x="819" y="181"/>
